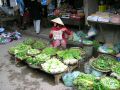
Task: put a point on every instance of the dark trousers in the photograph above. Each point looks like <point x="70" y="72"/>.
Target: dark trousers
<point x="44" y="11"/>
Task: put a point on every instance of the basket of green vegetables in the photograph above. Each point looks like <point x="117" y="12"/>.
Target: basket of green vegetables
<point x="29" y="41"/>
<point x="109" y="83"/>
<point x="103" y="63"/>
<point x="33" y="52"/>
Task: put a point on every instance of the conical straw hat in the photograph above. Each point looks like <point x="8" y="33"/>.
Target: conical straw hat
<point x="58" y="21"/>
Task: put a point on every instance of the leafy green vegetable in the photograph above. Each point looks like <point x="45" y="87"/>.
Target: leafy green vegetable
<point x="31" y="60"/>
<point x="54" y="66"/>
<point x="116" y="68"/>
<point x="33" y="51"/>
<point x="29" y="41"/>
<point x="21" y="55"/>
<point x="41" y="58"/>
<point x="39" y="44"/>
<point x="49" y="51"/>
<point x="19" y="48"/>
<point x="84" y="82"/>
<point x="72" y="53"/>
<point x="77" y="53"/>
<point x="110" y="83"/>
<point x="104" y="62"/>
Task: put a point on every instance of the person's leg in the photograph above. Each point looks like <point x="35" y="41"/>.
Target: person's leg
<point x="37" y="26"/>
<point x="63" y="43"/>
<point x="34" y="22"/>
<point x="56" y="43"/>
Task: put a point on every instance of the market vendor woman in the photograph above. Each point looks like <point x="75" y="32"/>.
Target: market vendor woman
<point x="59" y="33"/>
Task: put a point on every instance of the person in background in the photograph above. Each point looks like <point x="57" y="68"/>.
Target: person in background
<point x="35" y="11"/>
<point x="26" y="19"/>
<point x="44" y="8"/>
<point x="21" y="7"/>
<point x="59" y="33"/>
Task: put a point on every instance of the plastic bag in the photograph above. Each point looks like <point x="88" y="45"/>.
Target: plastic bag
<point x="76" y="37"/>
<point x="92" y="32"/>
<point x="68" y="79"/>
<point x="75" y="74"/>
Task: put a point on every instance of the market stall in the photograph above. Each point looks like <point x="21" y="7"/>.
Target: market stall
<point x="61" y="64"/>
<point x="94" y="72"/>
<point x="107" y="21"/>
<point x="38" y="55"/>
<point x="69" y="14"/>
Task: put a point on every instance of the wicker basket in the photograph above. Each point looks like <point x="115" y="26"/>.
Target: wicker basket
<point x="91" y="61"/>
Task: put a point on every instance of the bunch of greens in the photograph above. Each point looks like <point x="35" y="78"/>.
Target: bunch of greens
<point x="54" y="66"/>
<point x="33" y="52"/>
<point x="104" y="62"/>
<point x="98" y="85"/>
<point x="31" y="60"/>
<point x="29" y="41"/>
<point x="77" y="53"/>
<point x="39" y="44"/>
<point x="37" y="60"/>
<point x="19" y="48"/>
<point x="72" y="53"/>
<point x="21" y="55"/>
<point x="49" y="51"/>
<point x="41" y="58"/>
<point x="116" y="68"/>
<point x="110" y="83"/>
<point x="84" y="82"/>
<point x="12" y="50"/>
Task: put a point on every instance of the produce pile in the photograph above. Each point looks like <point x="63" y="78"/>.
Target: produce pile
<point x="70" y="56"/>
<point x="84" y="82"/>
<point x="42" y="58"/>
<point x="29" y="41"/>
<point x="52" y="60"/>
<point x="110" y="83"/>
<point x="54" y="66"/>
<point x="33" y="52"/>
<point x="32" y="61"/>
<point x="49" y="51"/>
<point x="116" y="69"/>
<point x="39" y="44"/>
<point x="21" y="55"/>
<point x="19" y="48"/>
<point x="34" y="55"/>
<point x="89" y="82"/>
<point x="38" y="59"/>
<point x="103" y="63"/>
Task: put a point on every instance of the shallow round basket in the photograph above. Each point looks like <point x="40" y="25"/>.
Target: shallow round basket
<point x="91" y="61"/>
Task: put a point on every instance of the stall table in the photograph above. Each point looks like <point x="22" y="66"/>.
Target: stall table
<point x="57" y="76"/>
<point x="113" y="30"/>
